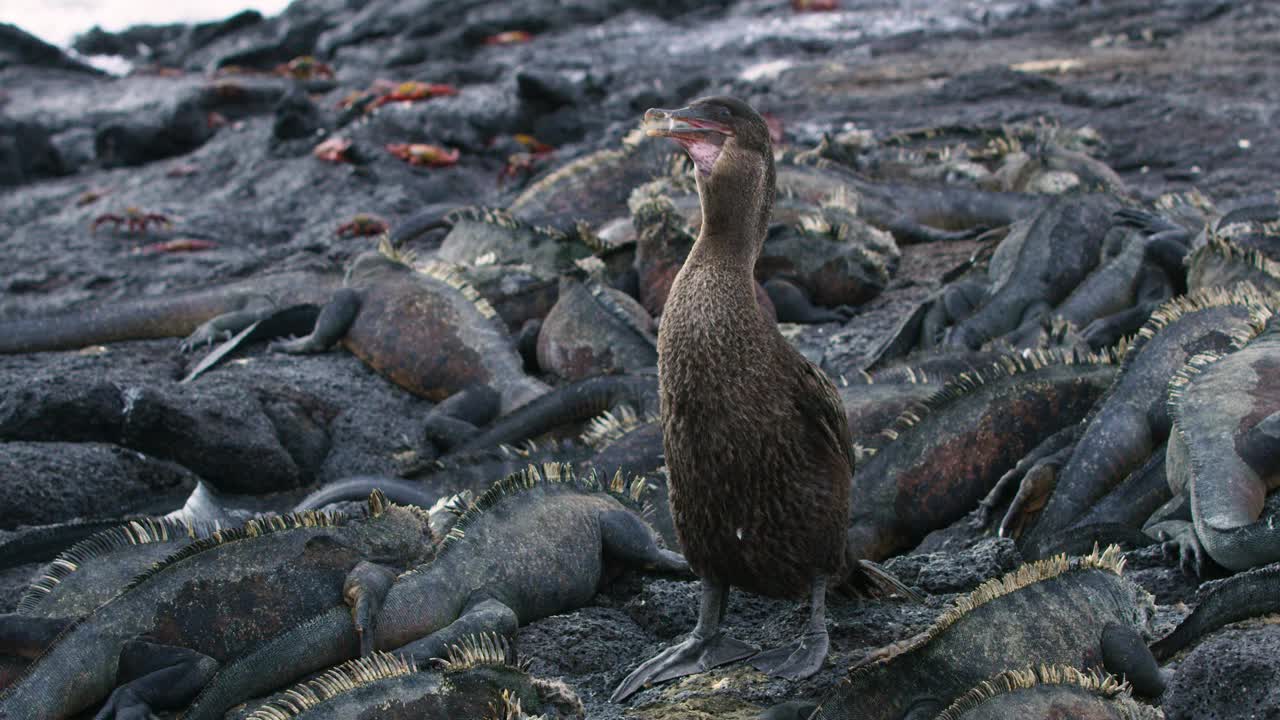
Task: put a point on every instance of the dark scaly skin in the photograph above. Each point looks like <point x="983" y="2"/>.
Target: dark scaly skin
<point x="199" y="603"/>
<point x="173" y="315"/>
<point x="577" y="401"/>
<point x="1223" y="263"/>
<point x="1249" y="594"/>
<point x="387" y="687"/>
<point x="1225" y="449"/>
<point x="1059" y="619"/>
<point x="420" y="332"/>
<point x="872" y="407"/>
<point x="1133" y="419"/>
<point x="88" y="574"/>
<point x="530" y="548"/>
<point x="594" y="329"/>
<point x="663" y="241"/>
<point x="477" y="232"/>
<point x="1063" y="245"/>
<point x="940" y="459"/>
<point x="593" y="188"/>
<point x="1050" y="693"/>
<point x="911" y="213"/>
<point x="1116" y="298"/>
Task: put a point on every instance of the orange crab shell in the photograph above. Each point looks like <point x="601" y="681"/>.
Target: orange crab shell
<point x="176" y="245"/>
<point x="334" y="149"/>
<point x="424" y="154"/>
<point x="509" y="37"/>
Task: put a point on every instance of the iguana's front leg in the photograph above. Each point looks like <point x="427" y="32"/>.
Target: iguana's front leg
<point x="793" y="306"/>
<point x="334" y="321"/>
<point x="484" y="615"/>
<point x="364" y="590"/>
<point x="1053" y="449"/>
<point x="153" y="677"/>
<point x="1180" y="541"/>
<point x="629" y="540"/>
<point x="223" y="326"/>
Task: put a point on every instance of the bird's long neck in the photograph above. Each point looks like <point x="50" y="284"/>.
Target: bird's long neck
<point x="736" y="204"/>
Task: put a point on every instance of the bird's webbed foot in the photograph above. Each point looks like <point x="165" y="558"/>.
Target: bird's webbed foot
<point x="804" y="658"/>
<point x="705" y="648"/>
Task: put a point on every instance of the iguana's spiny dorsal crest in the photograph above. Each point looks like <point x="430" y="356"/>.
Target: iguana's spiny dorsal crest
<point x="1100" y="684"/>
<point x="965" y="383"/>
<point x="142" y="531"/>
<point x="1109" y="560"/>
<point x="629" y="492"/>
<point x="336" y="681"/>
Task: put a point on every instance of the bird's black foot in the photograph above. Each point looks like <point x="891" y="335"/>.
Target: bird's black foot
<point x="796" y="661"/>
<point x="688" y="657"/>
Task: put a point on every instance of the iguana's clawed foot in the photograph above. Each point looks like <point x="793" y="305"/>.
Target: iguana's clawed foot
<point x="1184" y="545"/>
<point x="796" y="661"/>
<point x="293" y="346"/>
<point x="1033" y="493"/>
<point x="691" y="656"/>
<point x="364" y="590"/>
<point x="204" y="336"/>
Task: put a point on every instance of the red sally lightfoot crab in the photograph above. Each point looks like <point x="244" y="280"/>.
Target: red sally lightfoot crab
<point x="362" y="225"/>
<point x="134" y="220"/>
<point x="424" y="154"/>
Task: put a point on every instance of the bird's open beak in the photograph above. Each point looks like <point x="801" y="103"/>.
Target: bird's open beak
<point x="683" y="124"/>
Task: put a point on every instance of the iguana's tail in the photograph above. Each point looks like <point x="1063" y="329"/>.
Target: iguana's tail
<point x="869" y="580"/>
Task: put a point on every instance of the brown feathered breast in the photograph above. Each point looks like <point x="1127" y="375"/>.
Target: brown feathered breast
<point x="756" y="441"/>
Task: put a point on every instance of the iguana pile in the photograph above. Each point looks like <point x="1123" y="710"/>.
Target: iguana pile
<point x="537" y="543"/>
<point x="478" y="680"/>
<point x="1053" y="611"/>
<point x="170" y="627"/>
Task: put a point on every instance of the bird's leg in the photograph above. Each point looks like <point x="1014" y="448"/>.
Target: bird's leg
<point x="706" y="647"/>
<point x="802" y="659"/>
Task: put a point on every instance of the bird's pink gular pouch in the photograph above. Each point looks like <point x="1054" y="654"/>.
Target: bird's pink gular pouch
<point x="700" y="129"/>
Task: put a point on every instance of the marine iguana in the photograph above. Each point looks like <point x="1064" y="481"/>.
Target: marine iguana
<point x="1248" y="594"/>
<point x="1220" y="262"/>
<point x="537" y="543"/>
<point x="1224" y="448"/>
<point x="939" y="458"/>
<point x="174" y="315"/>
<point x="1062" y="246"/>
<point x="1046" y="612"/>
<point x="1136" y="276"/>
<point x="815" y="255"/>
<point x="170" y="627"/>
<point x="479" y="677"/>
<point x="1132" y="418"/>
<point x="423" y="329"/>
<point x="1049" y="692"/>
<point x="594" y="329"/>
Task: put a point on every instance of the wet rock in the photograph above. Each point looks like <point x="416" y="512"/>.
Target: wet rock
<point x="223" y="434"/>
<point x="179" y="131"/>
<point x="950" y="572"/>
<point x="296" y="117"/>
<point x="18" y="47"/>
<point x="27" y="153"/>
<point x="1233" y="675"/>
<point x="53" y="482"/>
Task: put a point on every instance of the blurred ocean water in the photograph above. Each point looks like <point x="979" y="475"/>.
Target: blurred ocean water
<point x="58" y="21"/>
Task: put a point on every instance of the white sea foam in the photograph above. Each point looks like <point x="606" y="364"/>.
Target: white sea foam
<point x="59" y="21"/>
